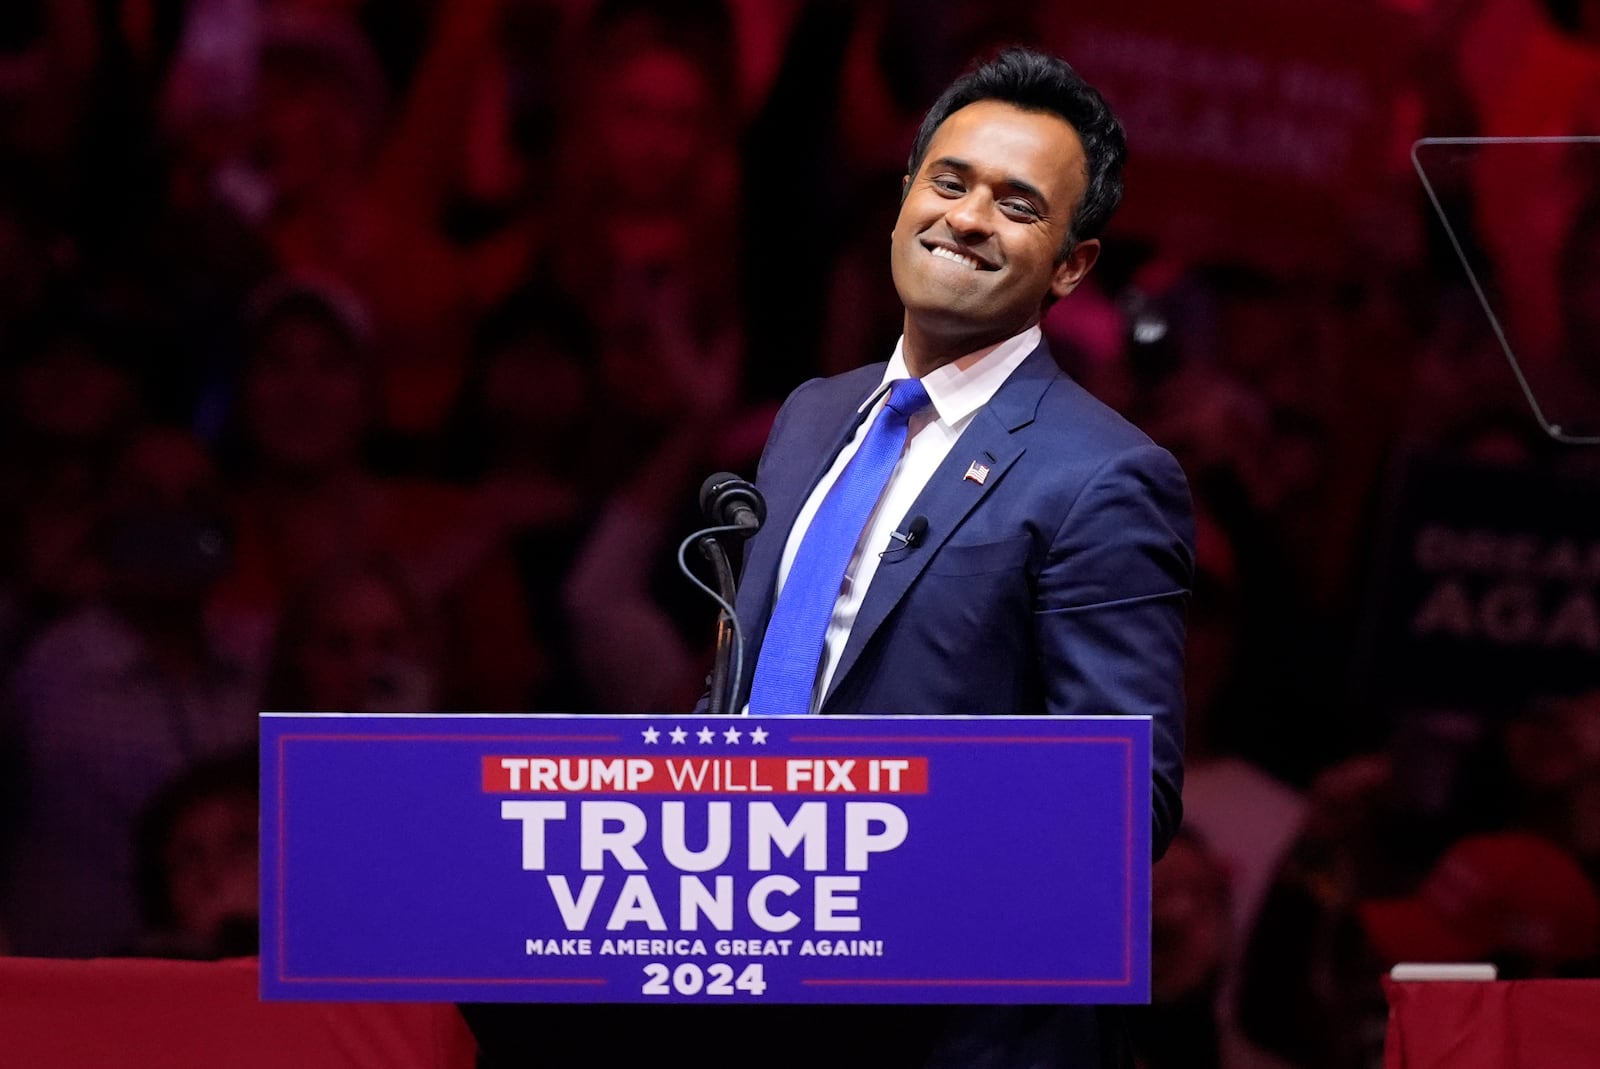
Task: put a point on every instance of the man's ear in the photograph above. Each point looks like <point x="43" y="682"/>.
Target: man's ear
<point x="1071" y="268"/>
<point x="905" y="187"/>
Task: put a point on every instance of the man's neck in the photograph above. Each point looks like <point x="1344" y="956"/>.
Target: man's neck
<point x="924" y="352"/>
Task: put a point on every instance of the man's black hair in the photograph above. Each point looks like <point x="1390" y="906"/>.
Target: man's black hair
<point x="1034" y="81"/>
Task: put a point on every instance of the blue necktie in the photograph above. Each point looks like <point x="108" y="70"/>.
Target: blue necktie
<point x="786" y="672"/>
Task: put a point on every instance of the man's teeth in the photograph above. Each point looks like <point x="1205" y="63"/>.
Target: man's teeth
<point x="945" y="254"/>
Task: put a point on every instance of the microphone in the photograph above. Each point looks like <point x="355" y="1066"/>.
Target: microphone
<point x="730" y="501"/>
<point x="912" y="536"/>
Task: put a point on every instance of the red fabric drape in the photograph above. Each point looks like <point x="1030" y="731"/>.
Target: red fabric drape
<point x="1520" y="1024"/>
<point x="136" y="1013"/>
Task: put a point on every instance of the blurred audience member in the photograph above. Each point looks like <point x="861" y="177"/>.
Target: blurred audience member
<point x="307" y="414"/>
<point x="70" y="410"/>
<point x="1530" y="66"/>
<point x="1459" y="381"/>
<point x="196" y="863"/>
<point x="1511" y="898"/>
<point x="646" y="246"/>
<point x="632" y="654"/>
<point x="354" y="639"/>
<point x="362" y="195"/>
<point x="1550" y="755"/>
<point x="1308" y="989"/>
<point x="1578" y="365"/>
<point x="34" y="253"/>
<point x="1188" y="956"/>
<point x="114" y="699"/>
<point x="48" y="53"/>
<point x="211" y="87"/>
<point x="1246" y="817"/>
<point x="524" y="439"/>
<point x="523" y="432"/>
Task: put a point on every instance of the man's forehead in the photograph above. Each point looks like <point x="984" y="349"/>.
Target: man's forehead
<point x="1041" y="143"/>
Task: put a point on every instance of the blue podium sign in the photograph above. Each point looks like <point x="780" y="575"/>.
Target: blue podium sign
<point x="695" y="859"/>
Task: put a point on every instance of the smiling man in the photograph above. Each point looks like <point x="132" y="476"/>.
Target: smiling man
<point x="964" y="530"/>
<point x="1051" y="559"/>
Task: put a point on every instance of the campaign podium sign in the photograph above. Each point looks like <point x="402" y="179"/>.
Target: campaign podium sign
<point x="619" y="859"/>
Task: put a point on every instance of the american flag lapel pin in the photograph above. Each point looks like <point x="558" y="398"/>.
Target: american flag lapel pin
<point x="977" y="472"/>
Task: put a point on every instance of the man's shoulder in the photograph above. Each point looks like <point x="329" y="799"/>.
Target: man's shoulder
<point x="1061" y="414"/>
<point x="1069" y="410"/>
<point x="856" y="384"/>
<point x="823" y="400"/>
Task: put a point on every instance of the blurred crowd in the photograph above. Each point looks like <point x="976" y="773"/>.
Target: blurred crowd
<point x="367" y="356"/>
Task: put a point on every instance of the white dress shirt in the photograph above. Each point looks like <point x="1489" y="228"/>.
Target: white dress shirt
<point x="956" y="392"/>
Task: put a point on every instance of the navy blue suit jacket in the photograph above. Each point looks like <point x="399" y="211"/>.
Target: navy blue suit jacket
<point x="1057" y="585"/>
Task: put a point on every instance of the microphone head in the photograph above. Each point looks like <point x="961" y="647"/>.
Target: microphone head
<point x="723" y="493"/>
<point x="917" y="528"/>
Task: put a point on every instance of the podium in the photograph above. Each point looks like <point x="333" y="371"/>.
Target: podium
<point x="705" y="860"/>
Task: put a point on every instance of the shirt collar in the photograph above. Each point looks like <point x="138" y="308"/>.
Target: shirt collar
<point x="955" y="392"/>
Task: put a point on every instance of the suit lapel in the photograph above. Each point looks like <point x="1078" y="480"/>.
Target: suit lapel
<point x="991" y="439"/>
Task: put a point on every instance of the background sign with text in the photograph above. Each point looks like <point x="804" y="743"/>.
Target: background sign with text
<point x="1487" y="594"/>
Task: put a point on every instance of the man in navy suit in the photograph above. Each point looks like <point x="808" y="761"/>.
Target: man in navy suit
<point x="1052" y="562"/>
<point x="1031" y="552"/>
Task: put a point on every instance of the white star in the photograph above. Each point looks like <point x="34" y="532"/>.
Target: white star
<point x="706" y="735"/>
<point x="759" y="736"/>
<point x="651" y="735"/>
<point x="732" y="735"/>
<point x="678" y="735"/>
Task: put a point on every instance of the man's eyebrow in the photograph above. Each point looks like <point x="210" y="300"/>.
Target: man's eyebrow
<point x="964" y="168"/>
<point x="955" y="163"/>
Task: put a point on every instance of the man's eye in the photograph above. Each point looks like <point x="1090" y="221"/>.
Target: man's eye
<point x="946" y="184"/>
<point x="1020" y="208"/>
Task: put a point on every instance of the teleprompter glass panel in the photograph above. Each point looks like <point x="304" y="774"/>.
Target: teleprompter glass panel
<point x="1523" y="216"/>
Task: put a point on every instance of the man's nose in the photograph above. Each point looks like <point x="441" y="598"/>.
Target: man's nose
<point x="972" y="216"/>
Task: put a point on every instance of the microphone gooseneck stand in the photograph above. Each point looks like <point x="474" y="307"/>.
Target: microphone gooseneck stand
<point x="736" y="508"/>
<point x="722" y="680"/>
